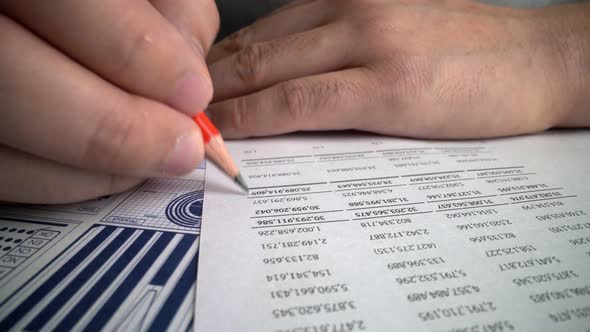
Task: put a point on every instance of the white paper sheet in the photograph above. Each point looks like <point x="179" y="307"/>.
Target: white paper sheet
<point x="119" y="263"/>
<point x="365" y="233"/>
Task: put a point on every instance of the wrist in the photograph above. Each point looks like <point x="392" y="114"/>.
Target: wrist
<point x="568" y="29"/>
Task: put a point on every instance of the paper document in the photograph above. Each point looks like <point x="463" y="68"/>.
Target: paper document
<point x="348" y="232"/>
<point x="118" y="263"/>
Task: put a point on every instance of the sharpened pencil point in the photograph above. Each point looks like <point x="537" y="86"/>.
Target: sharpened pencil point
<point x="240" y="181"/>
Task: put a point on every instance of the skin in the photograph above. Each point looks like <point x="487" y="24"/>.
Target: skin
<point x="449" y="69"/>
<point x="96" y="95"/>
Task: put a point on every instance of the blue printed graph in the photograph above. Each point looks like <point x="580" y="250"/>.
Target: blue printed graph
<point x="186" y="209"/>
<point x="167" y="204"/>
<point x="101" y="278"/>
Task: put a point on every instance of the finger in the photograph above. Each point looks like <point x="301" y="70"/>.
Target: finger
<point x="128" y="43"/>
<point x="297" y="18"/>
<point x="196" y="20"/>
<point x="291" y="4"/>
<point x="56" y="109"/>
<point x="323" y="102"/>
<point x="260" y="65"/>
<point x="29" y="179"/>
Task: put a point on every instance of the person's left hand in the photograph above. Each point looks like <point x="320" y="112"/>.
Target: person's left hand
<point x="420" y="68"/>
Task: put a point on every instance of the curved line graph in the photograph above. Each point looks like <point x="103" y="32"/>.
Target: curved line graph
<point x="186" y="210"/>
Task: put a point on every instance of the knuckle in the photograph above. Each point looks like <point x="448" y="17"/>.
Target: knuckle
<point x="103" y="148"/>
<point x="407" y="77"/>
<point x="295" y="99"/>
<point x="237" y="40"/>
<point x="249" y="63"/>
<point x="239" y="114"/>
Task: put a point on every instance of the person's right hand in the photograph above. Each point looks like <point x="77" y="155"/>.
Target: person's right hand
<point x="95" y="95"/>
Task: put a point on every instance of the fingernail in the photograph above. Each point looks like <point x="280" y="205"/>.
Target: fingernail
<point x="192" y="94"/>
<point x="185" y="156"/>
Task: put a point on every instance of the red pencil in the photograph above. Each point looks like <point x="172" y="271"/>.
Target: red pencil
<point x="216" y="151"/>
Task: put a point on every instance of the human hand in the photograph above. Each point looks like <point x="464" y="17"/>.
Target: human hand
<point x="95" y="95"/>
<point x="420" y="68"/>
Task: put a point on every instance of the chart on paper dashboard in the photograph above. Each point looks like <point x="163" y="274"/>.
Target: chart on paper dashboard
<point x="368" y="233"/>
<point x="118" y="263"/>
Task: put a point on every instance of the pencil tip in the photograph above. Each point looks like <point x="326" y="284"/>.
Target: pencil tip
<point x="240" y="181"/>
